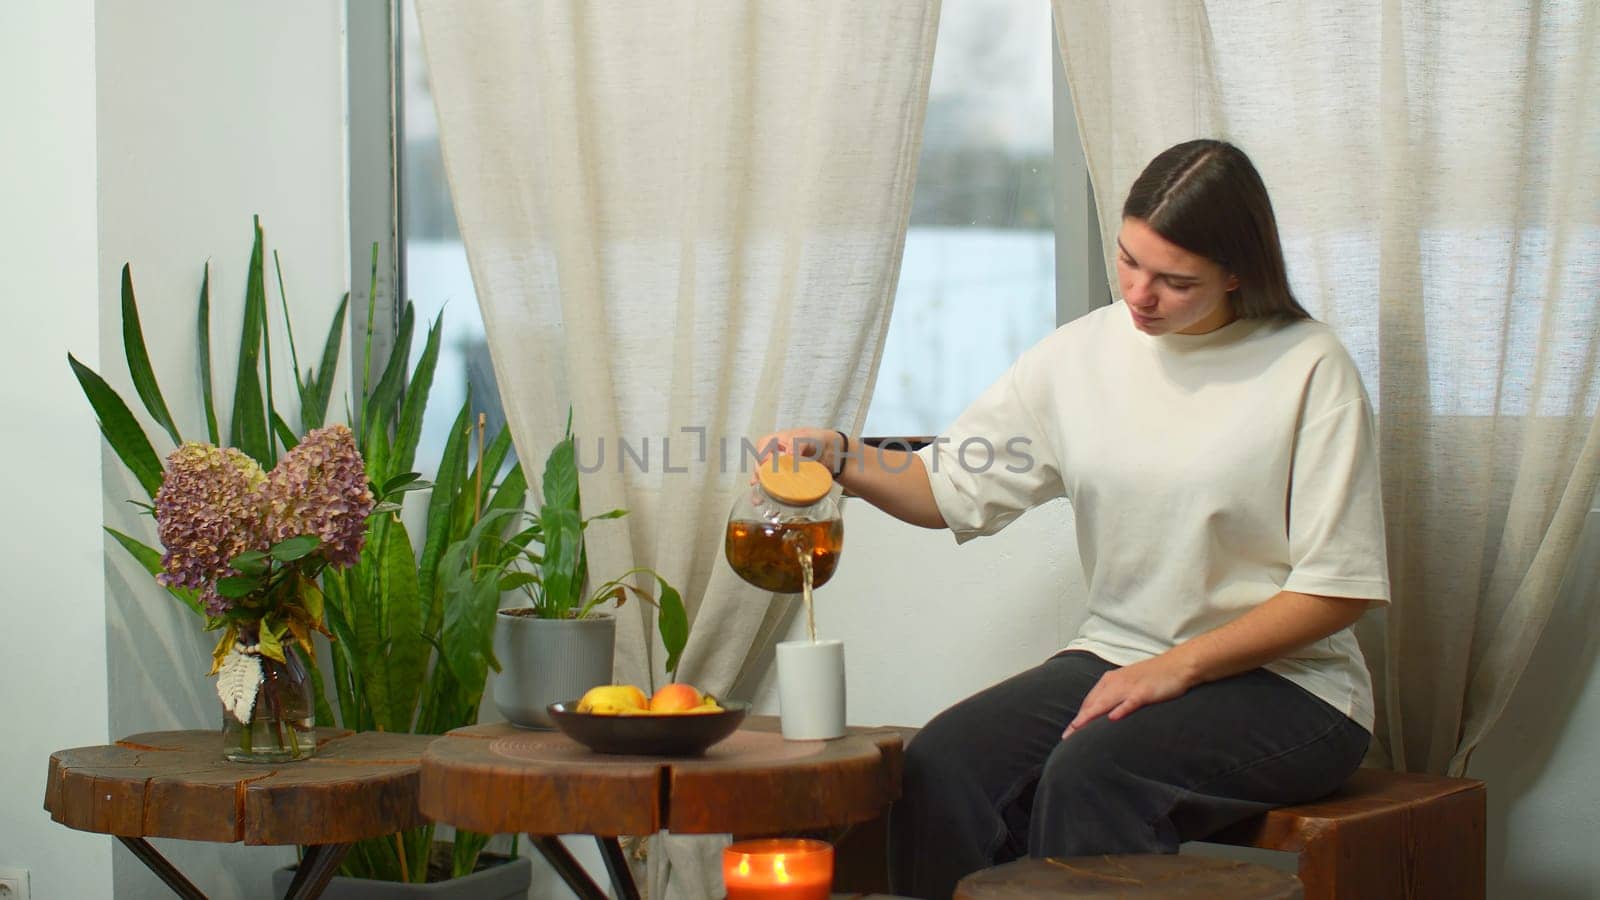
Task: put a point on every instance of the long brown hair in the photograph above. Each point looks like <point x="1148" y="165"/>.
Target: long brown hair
<point x="1206" y="197"/>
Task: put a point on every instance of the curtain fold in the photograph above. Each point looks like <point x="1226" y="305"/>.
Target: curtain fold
<point x="1433" y="171"/>
<point x="685" y="220"/>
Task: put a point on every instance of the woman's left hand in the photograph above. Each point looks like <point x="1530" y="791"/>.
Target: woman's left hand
<point x="1121" y="691"/>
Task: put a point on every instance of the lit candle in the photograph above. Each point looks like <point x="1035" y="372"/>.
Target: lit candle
<point x="778" y="869"/>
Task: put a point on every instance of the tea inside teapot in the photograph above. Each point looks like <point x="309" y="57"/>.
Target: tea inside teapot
<point x="771" y="554"/>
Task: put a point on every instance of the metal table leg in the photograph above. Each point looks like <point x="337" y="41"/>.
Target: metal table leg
<point x="164" y="870"/>
<point x="571" y="872"/>
<point x="617" y="867"/>
<point x="316" y="869"/>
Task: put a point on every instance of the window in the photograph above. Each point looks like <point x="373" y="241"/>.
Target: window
<point x="438" y="280"/>
<point x="977" y="282"/>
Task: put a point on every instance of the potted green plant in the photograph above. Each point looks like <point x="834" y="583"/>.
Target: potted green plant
<point x="411" y="640"/>
<point x="559" y="645"/>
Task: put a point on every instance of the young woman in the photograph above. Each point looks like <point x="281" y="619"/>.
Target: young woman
<point x="1216" y="446"/>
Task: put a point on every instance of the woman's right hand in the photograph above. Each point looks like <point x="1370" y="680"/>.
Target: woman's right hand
<point x="892" y="480"/>
<point x="820" y="444"/>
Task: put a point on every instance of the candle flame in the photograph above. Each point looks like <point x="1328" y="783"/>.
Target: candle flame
<point x="779" y="870"/>
<point x="744" y="866"/>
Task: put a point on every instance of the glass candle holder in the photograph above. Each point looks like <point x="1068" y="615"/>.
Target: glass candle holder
<point x="778" y="869"/>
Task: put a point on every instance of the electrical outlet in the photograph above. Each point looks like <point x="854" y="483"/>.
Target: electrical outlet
<point x="13" y="884"/>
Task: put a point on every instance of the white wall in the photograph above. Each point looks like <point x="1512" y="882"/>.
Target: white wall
<point x="52" y="647"/>
<point x="149" y="133"/>
<point x="208" y="113"/>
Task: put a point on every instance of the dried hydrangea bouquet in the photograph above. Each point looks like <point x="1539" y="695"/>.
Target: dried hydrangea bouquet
<point x="253" y="543"/>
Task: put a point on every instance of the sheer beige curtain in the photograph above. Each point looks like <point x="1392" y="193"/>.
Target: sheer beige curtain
<point x="685" y="219"/>
<point x="1436" y="173"/>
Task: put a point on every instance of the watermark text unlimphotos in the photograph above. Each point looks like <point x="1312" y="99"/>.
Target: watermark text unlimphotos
<point x="693" y="448"/>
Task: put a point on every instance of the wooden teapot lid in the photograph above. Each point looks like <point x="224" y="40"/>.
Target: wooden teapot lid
<point x="794" y="480"/>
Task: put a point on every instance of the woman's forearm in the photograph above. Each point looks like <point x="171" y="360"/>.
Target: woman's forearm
<point x="1276" y="628"/>
<point x="892" y="480"/>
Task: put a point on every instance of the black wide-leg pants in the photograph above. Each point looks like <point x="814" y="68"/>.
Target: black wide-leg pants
<point x="990" y="779"/>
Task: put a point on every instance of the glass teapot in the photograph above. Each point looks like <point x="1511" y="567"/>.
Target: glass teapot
<point x="785" y="524"/>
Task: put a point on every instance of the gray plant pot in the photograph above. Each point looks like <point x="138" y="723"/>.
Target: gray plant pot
<point x="545" y="661"/>
<point x="507" y="879"/>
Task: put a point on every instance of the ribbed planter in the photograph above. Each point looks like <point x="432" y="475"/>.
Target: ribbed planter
<point x="545" y="661"/>
<point x="501" y="879"/>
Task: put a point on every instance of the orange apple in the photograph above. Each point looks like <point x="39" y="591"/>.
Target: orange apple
<point x="675" y="698"/>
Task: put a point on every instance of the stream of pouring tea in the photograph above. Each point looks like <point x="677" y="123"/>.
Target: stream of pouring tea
<point x="805" y="574"/>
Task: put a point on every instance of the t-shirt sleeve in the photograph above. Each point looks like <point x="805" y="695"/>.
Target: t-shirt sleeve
<point x="1336" y="533"/>
<point x="995" y="462"/>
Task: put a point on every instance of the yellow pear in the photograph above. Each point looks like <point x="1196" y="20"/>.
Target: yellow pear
<point x="613" y="700"/>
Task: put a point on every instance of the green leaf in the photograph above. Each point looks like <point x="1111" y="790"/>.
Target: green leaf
<point x="288" y="326"/>
<point x="248" y="427"/>
<point x="441" y="505"/>
<point x="464" y="853"/>
<point x="372" y="310"/>
<point x="120" y="428"/>
<point x="346" y="667"/>
<point x="366" y="621"/>
<point x="270" y="641"/>
<point x="673" y="623"/>
<point x="312" y="599"/>
<point x="561" y="477"/>
<point x="613" y="514"/>
<point x="400" y="484"/>
<point x="266" y="359"/>
<point x="523" y="538"/>
<point x="513" y="580"/>
<point x="204" y="329"/>
<point x="469" y="613"/>
<point x="236" y="586"/>
<point x="150" y="558"/>
<point x="408" y="430"/>
<point x="378" y="409"/>
<point x="512" y="493"/>
<point x="284" y="432"/>
<point x="250" y="562"/>
<point x="144" y="377"/>
<point x="488" y="469"/>
<point x="407" y="659"/>
<point x="563" y="542"/>
<point x="376" y="453"/>
<point x="314" y="398"/>
<point x="294" y="548"/>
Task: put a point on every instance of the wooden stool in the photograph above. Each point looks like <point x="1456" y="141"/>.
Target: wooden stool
<point x="1144" y="877"/>
<point x="1384" y="836"/>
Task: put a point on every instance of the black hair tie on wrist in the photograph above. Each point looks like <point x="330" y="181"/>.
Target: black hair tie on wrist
<point x="844" y="449"/>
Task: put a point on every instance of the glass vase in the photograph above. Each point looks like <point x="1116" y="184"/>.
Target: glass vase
<point x="282" y="726"/>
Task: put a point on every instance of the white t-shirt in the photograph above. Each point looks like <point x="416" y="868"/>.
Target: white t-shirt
<point x="1206" y="473"/>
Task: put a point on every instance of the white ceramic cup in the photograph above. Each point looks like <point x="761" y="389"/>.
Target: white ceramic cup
<point x="811" y="689"/>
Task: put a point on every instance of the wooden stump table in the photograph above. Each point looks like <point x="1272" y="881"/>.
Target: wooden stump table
<point x="498" y="778"/>
<point x="175" y="784"/>
<point x="1138" y="877"/>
